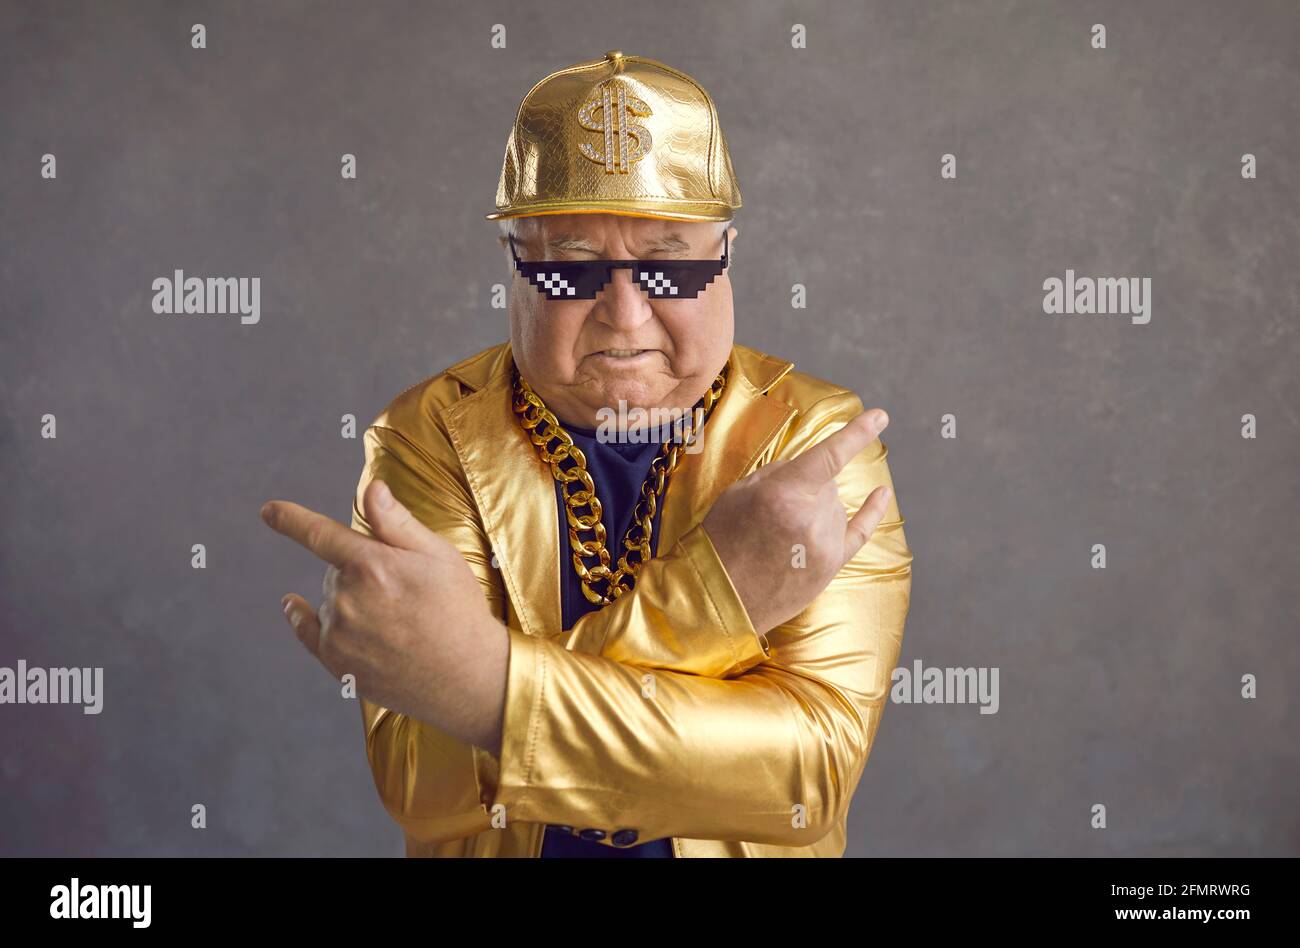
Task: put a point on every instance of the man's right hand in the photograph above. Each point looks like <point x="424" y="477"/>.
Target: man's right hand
<point x="756" y="522"/>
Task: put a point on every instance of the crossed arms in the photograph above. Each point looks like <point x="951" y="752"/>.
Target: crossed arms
<point x="665" y="710"/>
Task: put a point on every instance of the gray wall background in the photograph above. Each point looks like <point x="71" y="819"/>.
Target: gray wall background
<point x="1119" y="686"/>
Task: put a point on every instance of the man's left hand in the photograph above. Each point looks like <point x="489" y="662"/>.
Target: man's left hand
<point x="404" y="614"/>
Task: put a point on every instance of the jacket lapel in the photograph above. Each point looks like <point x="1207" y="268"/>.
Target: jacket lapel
<point x="743" y="425"/>
<point x="513" y="489"/>
<point x="515" y="492"/>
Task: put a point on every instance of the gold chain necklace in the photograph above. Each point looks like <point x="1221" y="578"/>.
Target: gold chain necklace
<point x="543" y="428"/>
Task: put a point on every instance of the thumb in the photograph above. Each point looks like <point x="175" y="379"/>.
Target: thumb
<point x="392" y="523"/>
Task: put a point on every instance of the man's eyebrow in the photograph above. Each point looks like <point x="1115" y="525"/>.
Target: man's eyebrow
<point x="671" y="241"/>
<point x="564" y="241"/>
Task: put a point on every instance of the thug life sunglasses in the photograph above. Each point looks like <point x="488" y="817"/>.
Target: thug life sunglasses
<point x="583" y="279"/>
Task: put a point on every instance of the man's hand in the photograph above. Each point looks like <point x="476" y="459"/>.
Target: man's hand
<point x="756" y="522"/>
<point x="404" y="614"/>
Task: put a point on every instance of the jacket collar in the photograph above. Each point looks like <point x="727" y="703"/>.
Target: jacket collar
<point x="515" y="491"/>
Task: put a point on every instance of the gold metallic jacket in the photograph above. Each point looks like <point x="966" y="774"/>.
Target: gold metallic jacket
<point x="664" y="712"/>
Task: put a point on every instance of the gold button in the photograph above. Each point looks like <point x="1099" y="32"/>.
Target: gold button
<point x="614" y="55"/>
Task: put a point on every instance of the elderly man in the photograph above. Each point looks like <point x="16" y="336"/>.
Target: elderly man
<point x="576" y="632"/>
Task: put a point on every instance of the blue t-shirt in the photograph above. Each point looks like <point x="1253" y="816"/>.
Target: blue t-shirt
<point x="618" y="470"/>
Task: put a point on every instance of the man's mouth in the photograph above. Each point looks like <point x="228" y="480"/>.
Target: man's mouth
<point x="622" y="353"/>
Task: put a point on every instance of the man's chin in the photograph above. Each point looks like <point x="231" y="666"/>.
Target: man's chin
<point x="643" y="384"/>
<point x="630" y="393"/>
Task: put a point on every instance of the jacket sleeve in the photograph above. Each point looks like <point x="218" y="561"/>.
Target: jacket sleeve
<point x="656" y="624"/>
<point x="438" y="788"/>
<point x="772" y="755"/>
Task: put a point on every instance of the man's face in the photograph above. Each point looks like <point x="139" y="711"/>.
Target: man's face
<point x="574" y="353"/>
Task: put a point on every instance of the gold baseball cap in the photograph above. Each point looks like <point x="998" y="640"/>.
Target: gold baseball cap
<point x="618" y="135"/>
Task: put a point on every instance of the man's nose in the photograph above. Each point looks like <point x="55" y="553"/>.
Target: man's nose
<point x="622" y="304"/>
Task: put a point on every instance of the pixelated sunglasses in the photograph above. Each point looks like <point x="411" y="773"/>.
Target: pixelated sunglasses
<point x="583" y="279"/>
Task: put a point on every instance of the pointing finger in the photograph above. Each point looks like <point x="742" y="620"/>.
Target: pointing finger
<point x="827" y="458"/>
<point x="328" y="539"/>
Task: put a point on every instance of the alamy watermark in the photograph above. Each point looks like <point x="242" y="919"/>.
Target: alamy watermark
<point x="639" y="426"/>
<point x="1102" y="296"/>
<point x="938" y="685"/>
<point x="23" y="685"/>
<point x="213" y="296"/>
<point x="75" y="900"/>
